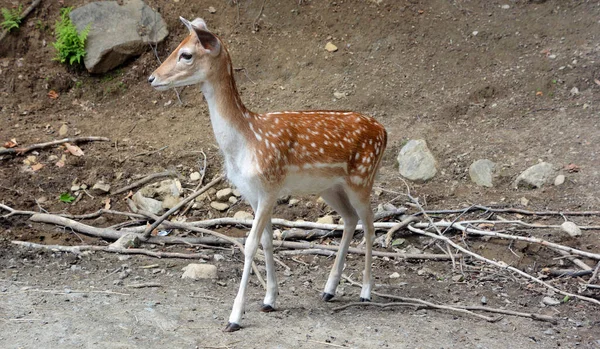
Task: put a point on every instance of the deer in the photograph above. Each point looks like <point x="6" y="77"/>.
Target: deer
<point x="335" y="154"/>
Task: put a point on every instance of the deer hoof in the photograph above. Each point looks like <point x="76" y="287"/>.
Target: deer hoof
<point x="326" y="297"/>
<point x="364" y="299"/>
<point x="232" y="327"/>
<point x="265" y="308"/>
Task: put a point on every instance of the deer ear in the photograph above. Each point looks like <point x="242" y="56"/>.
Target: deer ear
<point x="207" y="39"/>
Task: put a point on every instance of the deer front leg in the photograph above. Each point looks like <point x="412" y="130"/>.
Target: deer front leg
<point x="271" y="294"/>
<point x="263" y="217"/>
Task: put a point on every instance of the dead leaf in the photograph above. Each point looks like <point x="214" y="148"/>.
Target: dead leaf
<point x="421" y="12"/>
<point x="597" y="82"/>
<point x="128" y="196"/>
<point x="571" y="168"/>
<point x="37" y="167"/>
<point x="62" y="161"/>
<point x="73" y="149"/>
<point x="539" y="93"/>
<point x="53" y="94"/>
<point x="486" y="226"/>
<point x="106" y="203"/>
<point x="11" y="144"/>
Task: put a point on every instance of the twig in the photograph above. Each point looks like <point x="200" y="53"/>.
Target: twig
<point x="595" y="274"/>
<point x="75" y="291"/>
<point x="105" y="233"/>
<point x="390" y="234"/>
<point x="427" y="303"/>
<point x="144" y="180"/>
<point x="160" y="219"/>
<point x="23" y="15"/>
<point x="255" y="23"/>
<point x="578" y="262"/>
<point x="502" y="265"/>
<point x="380" y="305"/>
<point x="21" y="151"/>
<point x="144" y="285"/>
<point x="328" y="344"/>
<point x="308" y="251"/>
<point x="80" y="249"/>
<point x="515" y="210"/>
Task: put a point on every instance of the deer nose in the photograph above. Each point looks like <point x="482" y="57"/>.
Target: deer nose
<point x="151" y="78"/>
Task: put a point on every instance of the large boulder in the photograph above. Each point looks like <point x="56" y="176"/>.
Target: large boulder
<point x="416" y="162"/>
<point x="117" y="32"/>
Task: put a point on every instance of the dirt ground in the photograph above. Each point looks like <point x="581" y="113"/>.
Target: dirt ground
<point x="474" y="78"/>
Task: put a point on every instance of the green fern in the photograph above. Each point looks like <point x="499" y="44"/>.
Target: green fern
<point x="12" y="18"/>
<point x="69" y="45"/>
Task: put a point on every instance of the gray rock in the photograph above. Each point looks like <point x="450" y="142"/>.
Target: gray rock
<point x="394" y="275"/>
<point x="233" y="200"/>
<point x="559" y="180"/>
<point x="194" y="176"/>
<point x="117" y="32"/>
<point x="550" y="301"/>
<point x="196" y="271"/>
<point x="101" y="187"/>
<point x="219" y="206"/>
<point x="484" y="300"/>
<point x="325" y="220"/>
<point x="536" y="176"/>
<point x="224" y="194"/>
<point x="140" y="202"/>
<point x="416" y="162"/>
<point x="571" y="228"/>
<point x="126" y="241"/>
<point x="243" y="215"/>
<point x="481" y="172"/>
<point x="236" y="193"/>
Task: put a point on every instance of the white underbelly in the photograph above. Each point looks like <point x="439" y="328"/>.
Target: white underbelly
<point x="303" y="183"/>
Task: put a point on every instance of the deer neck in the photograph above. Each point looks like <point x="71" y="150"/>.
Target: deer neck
<point x="228" y="115"/>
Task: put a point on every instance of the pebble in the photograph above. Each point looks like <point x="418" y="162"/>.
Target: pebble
<point x="560" y="179"/>
<point x="457" y="278"/>
<point x="233" y="200"/>
<point x="211" y="9"/>
<point x="218" y="257"/>
<point x="330" y="47"/>
<point x="574" y="91"/>
<point x="243" y="215"/>
<point x="549" y="332"/>
<point x="63" y="130"/>
<point x="75" y="188"/>
<point x="236" y="192"/>
<point x="293" y="202"/>
<point x="328" y="219"/>
<point x="484" y="300"/>
<point x="475" y="32"/>
<point x="219" y="206"/>
<point x="194" y="176"/>
<point x="339" y="95"/>
<point x="394" y="275"/>
<point x="101" y="187"/>
<point x="550" y="301"/>
<point x="571" y="228"/>
<point x="126" y="241"/>
<point x="505" y="7"/>
<point x="524" y="201"/>
<point x="224" y="194"/>
<point x="196" y="271"/>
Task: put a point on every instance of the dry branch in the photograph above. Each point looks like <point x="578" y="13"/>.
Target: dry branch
<point x="21" y="151"/>
<point x="501" y="265"/>
<point x="144" y="180"/>
<point x="80" y="249"/>
<point x="105" y="233"/>
<point x="514" y="210"/>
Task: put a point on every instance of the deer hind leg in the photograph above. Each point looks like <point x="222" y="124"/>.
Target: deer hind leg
<point x="362" y="204"/>
<point x="263" y="217"/>
<point x="338" y="200"/>
<point x="271" y="294"/>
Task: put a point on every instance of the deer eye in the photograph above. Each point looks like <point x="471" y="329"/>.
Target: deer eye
<point x="185" y="56"/>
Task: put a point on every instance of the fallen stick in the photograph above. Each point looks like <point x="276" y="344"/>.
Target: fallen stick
<point x="427" y="303"/>
<point x="317" y="251"/>
<point x="514" y="210"/>
<point x="578" y="262"/>
<point x="23" y="16"/>
<point x="21" y="151"/>
<point x="390" y="234"/>
<point x="502" y="265"/>
<point x="105" y="233"/>
<point x="80" y="249"/>
<point x="144" y="285"/>
<point x="160" y="219"/>
<point x="144" y="180"/>
<point x="380" y="305"/>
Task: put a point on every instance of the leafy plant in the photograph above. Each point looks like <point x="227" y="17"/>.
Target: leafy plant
<point x="12" y="18"/>
<point x="69" y="45"/>
<point x="66" y="198"/>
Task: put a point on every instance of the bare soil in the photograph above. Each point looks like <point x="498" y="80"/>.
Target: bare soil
<point x="474" y="79"/>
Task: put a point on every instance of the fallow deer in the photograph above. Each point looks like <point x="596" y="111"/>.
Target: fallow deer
<point x="335" y="154"/>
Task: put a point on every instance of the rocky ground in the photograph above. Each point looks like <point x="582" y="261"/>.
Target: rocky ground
<point x="513" y="82"/>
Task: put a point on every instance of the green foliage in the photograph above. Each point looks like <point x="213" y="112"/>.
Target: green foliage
<point x="66" y="198"/>
<point x="69" y="45"/>
<point x="12" y="18"/>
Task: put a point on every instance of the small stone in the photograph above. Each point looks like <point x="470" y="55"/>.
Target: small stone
<point x="395" y="275"/>
<point x="243" y="215"/>
<point x="63" y="130"/>
<point x="126" y="241"/>
<point x="219" y="206"/>
<point x="236" y="192"/>
<point x="194" y="176"/>
<point x="550" y="301"/>
<point x="457" y="278"/>
<point x="330" y="47"/>
<point x="233" y="200"/>
<point x="553" y="56"/>
<point x="75" y="188"/>
<point x="481" y="172"/>
<point x="224" y="194"/>
<point x="170" y="201"/>
<point x="524" y="201"/>
<point x="101" y="187"/>
<point x="84" y="186"/>
<point x="196" y="271"/>
<point x="211" y="9"/>
<point x="202" y="197"/>
<point x="571" y="228"/>
<point x="536" y="175"/>
<point x="574" y="91"/>
<point x="425" y="272"/>
<point x="293" y="202"/>
<point x="560" y="179"/>
<point x="339" y="95"/>
<point x="505" y="7"/>
<point x="585" y="106"/>
<point x="41" y="199"/>
<point x="549" y="332"/>
<point x="328" y="219"/>
<point x="475" y="32"/>
<point x="218" y="257"/>
<point x="484" y="300"/>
